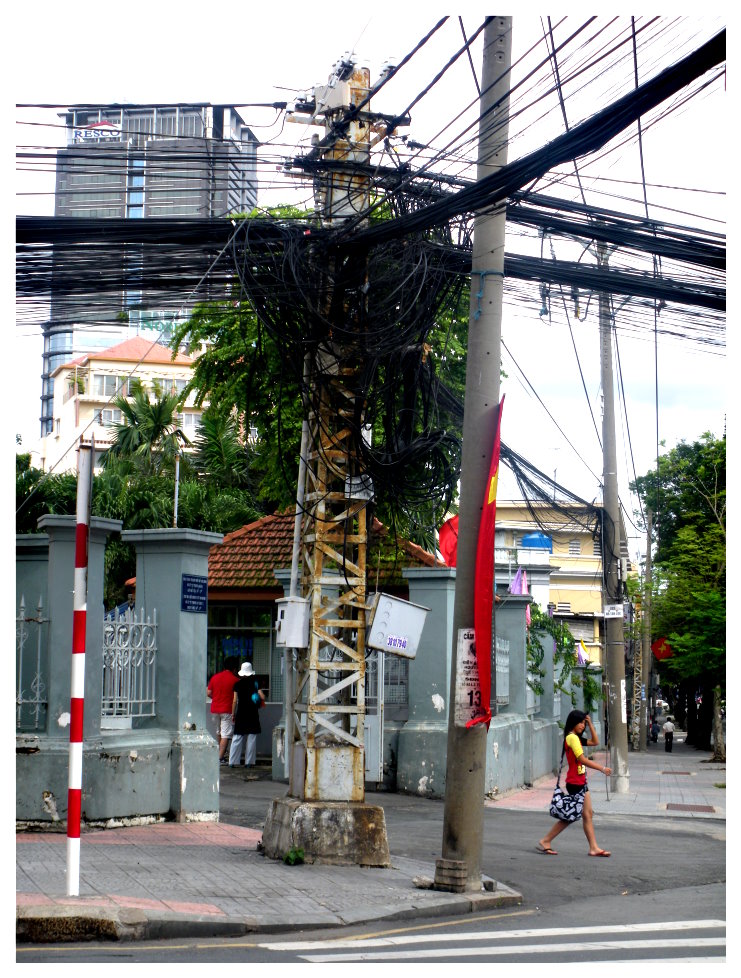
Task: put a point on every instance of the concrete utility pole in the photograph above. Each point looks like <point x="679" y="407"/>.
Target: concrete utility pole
<point x="613" y="596"/>
<point x="460" y="865"/>
<point x="638" y="716"/>
<point x="646" y="630"/>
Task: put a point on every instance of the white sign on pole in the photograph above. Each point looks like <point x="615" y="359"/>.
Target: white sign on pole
<point x="468" y="700"/>
<point x="613" y="611"/>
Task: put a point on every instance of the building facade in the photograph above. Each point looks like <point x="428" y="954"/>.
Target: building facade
<point x="563" y="559"/>
<point x="140" y="162"/>
<point x="85" y="390"/>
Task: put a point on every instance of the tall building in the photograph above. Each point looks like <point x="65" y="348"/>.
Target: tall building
<point x="140" y="161"/>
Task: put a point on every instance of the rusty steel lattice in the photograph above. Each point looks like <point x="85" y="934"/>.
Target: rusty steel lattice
<point x="329" y="696"/>
<point x="329" y="700"/>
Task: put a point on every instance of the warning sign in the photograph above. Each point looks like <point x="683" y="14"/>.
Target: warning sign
<point x="468" y="702"/>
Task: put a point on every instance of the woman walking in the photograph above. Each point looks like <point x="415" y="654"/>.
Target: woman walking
<point x="576" y="779"/>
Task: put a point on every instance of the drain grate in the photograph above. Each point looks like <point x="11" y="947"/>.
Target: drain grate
<point x="677" y="772"/>
<point x="671" y="807"/>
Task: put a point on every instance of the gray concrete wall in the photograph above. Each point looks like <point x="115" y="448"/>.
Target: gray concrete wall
<point x="42" y="757"/>
<point x="423" y="739"/>
<point x="166" y="561"/>
<point x="166" y="765"/>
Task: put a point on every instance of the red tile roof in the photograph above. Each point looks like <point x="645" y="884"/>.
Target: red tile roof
<point x="246" y="558"/>
<point x="135" y="350"/>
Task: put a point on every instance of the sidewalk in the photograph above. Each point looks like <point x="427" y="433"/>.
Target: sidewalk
<point x="172" y="880"/>
<point x="681" y="784"/>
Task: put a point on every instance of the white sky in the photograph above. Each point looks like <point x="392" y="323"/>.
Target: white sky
<point x="84" y="52"/>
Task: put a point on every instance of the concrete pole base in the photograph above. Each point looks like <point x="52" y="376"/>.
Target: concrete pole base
<point x="336" y="832"/>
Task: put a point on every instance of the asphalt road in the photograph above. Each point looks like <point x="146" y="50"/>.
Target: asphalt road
<point x="660" y="897"/>
<point x="650" y="854"/>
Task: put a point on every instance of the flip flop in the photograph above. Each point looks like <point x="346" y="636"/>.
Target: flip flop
<point x="545" y="852"/>
<point x="602" y="852"/>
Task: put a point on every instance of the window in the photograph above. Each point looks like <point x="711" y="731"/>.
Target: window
<point x="189" y="421"/>
<point x="108" y="416"/>
<point x="105" y="385"/>
<point x="169" y="386"/>
<point x="564" y="607"/>
<point x="597" y="547"/>
<point x="574" y="548"/>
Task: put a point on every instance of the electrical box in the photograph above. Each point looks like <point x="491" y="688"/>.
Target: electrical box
<point x="292" y="625"/>
<point x="335" y="96"/>
<point x="395" y="625"/>
<point x="359" y="487"/>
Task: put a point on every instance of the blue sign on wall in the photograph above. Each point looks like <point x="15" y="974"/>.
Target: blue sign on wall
<point x="194" y="594"/>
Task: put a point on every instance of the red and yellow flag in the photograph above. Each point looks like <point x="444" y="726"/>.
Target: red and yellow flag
<point x="448" y="541"/>
<point x="484" y="579"/>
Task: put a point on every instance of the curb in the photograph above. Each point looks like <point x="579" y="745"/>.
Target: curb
<point x="72" y="923"/>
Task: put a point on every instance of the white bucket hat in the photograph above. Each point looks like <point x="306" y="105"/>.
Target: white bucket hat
<point x="246" y="669"/>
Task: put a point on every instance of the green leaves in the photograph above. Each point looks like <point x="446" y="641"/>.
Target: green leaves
<point x="689" y="587"/>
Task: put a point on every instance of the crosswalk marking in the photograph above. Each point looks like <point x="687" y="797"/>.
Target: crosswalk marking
<point x="406" y="939"/>
<point x="498" y="950"/>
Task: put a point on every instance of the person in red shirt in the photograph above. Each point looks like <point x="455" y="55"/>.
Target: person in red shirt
<point x="220" y="691"/>
<point x="576" y="779"/>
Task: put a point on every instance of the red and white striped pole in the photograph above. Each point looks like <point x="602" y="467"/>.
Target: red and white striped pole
<point x="77" y="694"/>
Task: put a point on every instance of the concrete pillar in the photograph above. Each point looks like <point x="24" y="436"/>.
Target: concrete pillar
<point x="32" y="572"/>
<point x="423" y="738"/>
<point x="46" y="564"/>
<point x="547" y="711"/>
<point x="61" y="534"/>
<point x="510" y="624"/>
<point x="172" y="578"/>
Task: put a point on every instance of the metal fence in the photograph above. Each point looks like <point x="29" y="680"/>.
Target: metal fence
<point x="30" y="669"/>
<point x="129" y="660"/>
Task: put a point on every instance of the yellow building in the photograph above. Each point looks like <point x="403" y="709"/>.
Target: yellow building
<point x="85" y="389"/>
<point x="563" y="560"/>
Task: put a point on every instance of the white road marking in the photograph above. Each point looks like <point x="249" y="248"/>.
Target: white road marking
<point x="439" y="937"/>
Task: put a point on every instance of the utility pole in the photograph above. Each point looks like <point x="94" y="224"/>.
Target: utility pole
<point x="646" y="629"/>
<point x="612" y="588"/>
<point x="460" y="865"/>
<point x="638" y="715"/>
<point x="324" y="811"/>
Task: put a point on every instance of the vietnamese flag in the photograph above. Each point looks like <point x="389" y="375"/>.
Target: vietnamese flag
<point x="448" y="541"/>
<point x="484" y="580"/>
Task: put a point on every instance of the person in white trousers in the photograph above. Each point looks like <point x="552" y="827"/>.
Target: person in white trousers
<point x="247" y="703"/>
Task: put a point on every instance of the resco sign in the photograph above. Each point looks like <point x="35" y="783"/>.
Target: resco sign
<point x="97" y="132"/>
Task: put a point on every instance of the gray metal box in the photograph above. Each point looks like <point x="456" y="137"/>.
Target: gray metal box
<point x="395" y="626"/>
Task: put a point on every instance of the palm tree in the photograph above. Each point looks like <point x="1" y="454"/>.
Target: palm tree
<point x="220" y="452"/>
<point x="149" y="435"/>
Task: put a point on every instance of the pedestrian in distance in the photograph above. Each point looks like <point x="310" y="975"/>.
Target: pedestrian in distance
<point x="220" y="691"/>
<point x="668" y="729"/>
<point x="248" y="700"/>
<point x="576" y="779"/>
<point x="655" y="730"/>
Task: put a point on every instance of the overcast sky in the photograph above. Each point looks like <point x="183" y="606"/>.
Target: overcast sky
<point x="239" y="54"/>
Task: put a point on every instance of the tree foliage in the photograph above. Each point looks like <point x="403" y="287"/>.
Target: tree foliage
<point x="249" y="368"/>
<point x="688" y="495"/>
<point x="137" y="484"/>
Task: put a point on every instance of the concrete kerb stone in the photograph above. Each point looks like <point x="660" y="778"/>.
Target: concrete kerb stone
<point x="51" y="925"/>
<point x="68" y="923"/>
